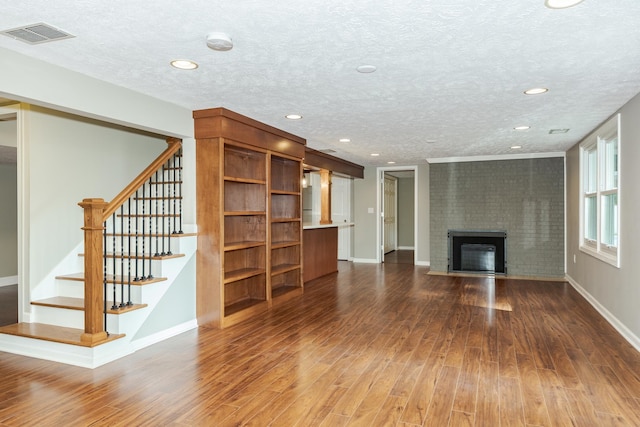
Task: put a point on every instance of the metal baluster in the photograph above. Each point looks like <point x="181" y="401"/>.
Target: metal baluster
<point x="115" y="262"/>
<point x="137" y="276"/>
<point x="121" y="257"/>
<point x="143" y="231"/>
<point x="129" y="252"/>
<point x="104" y="273"/>
<point x="172" y="201"/>
<point x="150" y="276"/>
<point x="157" y="253"/>
<point x="180" y="188"/>
<point x="174" y="193"/>
<point x="163" y="218"/>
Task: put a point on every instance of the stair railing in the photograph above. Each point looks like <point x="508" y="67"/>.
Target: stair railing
<point x="108" y="228"/>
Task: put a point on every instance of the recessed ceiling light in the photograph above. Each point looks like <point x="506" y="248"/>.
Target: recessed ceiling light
<point x="391" y="163"/>
<point x="345" y="140"/>
<point x="516" y="147"/>
<point x="554" y="131"/>
<point x="536" y="91"/>
<point x="561" y="4"/>
<point x="431" y="141"/>
<point x="366" y="69"/>
<point x="184" y="64"/>
<point x="375" y="154"/>
<point x="293" y="116"/>
<point x="522" y="127"/>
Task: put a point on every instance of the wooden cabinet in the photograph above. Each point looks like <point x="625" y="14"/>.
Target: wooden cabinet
<point x="249" y="213"/>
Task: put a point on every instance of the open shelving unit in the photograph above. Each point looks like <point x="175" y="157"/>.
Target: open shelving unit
<point x="249" y="216"/>
<point x="286" y="225"/>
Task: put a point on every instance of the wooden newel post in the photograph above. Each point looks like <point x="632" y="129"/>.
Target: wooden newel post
<point x="94" y="330"/>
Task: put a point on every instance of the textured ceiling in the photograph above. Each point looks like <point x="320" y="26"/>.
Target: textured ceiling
<point x="449" y="71"/>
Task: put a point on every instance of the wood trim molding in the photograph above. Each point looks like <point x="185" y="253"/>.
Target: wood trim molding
<point x="318" y="159"/>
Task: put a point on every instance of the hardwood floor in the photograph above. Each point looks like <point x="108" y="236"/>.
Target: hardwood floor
<point x="401" y="256"/>
<point x="375" y="345"/>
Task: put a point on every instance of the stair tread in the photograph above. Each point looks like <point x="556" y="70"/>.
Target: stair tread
<point x="79" y="277"/>
<point x="72" y="303"/>
<point x="53" y="333"/>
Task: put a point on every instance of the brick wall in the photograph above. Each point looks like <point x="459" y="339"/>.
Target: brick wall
<point x="523" y="197"/>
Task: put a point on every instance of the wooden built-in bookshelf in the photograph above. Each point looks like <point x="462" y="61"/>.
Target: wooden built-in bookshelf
<point x="249" y="216"/>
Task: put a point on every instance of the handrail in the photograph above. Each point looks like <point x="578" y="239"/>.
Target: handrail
<point x="129" y="190"/>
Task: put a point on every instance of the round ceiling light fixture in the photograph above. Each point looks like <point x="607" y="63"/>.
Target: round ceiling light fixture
<point x="219" y="41"/>
<point x="561" y="4"/>
<point x="293" y="116"/>
<point x="184" y="64"/>
<point x="366" y="69"/>
<point x="522" y="127"/>
<point x="536" y="91"/>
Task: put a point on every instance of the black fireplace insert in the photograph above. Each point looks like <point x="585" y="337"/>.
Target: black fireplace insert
<point x="473" y="251"/>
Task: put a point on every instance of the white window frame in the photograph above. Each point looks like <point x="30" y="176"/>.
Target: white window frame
<point x="596" y="141"/>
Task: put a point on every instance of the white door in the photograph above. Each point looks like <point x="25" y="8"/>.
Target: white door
<point x="390" y="220"/>
<point x="341" y="213"/>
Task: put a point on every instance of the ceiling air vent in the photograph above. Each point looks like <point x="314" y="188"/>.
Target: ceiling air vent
<point x="327" y="151"/>
<point x="37" y="33"/>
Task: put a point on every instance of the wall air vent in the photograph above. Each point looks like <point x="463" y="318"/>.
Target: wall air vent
<point x="36" y="33"/>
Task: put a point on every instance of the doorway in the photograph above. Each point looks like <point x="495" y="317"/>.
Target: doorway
<point x="397" y="207"/>
<point x="8" y="216"/>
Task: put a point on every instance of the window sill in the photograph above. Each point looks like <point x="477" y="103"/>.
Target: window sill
<point x="602" y="256"/>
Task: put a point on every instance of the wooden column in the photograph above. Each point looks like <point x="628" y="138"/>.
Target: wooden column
<point x="93" y="271"/>
<point x="325" y="196"/>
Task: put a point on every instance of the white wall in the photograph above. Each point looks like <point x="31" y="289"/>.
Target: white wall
<point x="8" y="221"/>
<point x="613" y="291"/>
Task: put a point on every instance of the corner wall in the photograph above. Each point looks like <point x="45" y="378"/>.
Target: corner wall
<point x="523" y="197"/>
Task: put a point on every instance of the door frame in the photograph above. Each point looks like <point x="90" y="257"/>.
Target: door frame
<point x="22" y="190"/>
<point x="380" y="171"/>
<point x="384" y="214"/>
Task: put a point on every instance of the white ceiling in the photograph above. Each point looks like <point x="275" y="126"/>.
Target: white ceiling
<point x="449" y="71"/>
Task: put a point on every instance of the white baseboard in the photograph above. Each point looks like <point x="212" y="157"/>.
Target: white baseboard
<point x="365" y="260"/>
<point x="613" y="320"/>
<point x="423" y="263"/>
<point x="8" y="281"/>
<point x="165" y="334"/>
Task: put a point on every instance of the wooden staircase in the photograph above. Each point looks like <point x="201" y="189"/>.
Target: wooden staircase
<point x="58" y="330"/>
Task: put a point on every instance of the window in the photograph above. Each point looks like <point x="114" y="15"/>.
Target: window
<point x="599" y="186"/>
